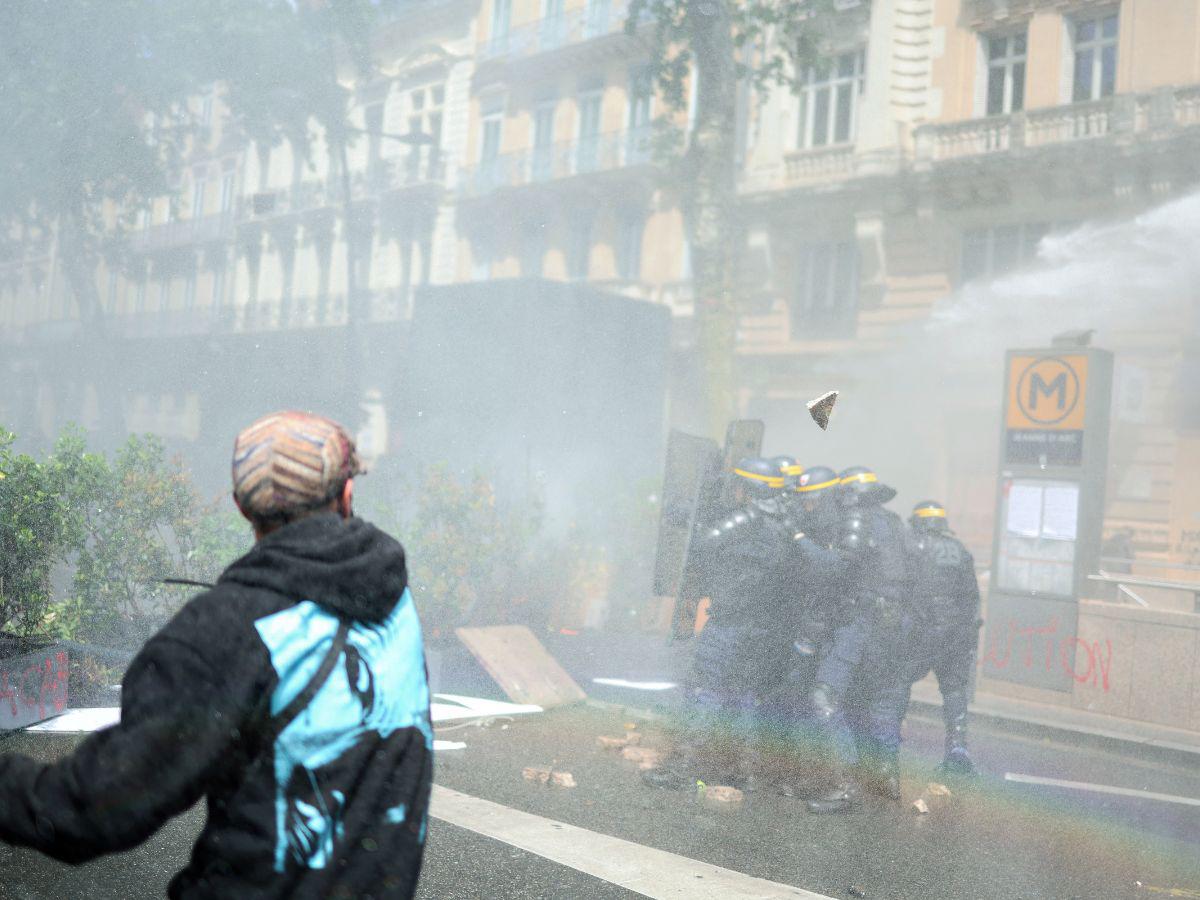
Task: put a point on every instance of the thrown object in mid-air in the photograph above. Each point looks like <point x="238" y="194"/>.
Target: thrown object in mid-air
<point x="822" y="408"/>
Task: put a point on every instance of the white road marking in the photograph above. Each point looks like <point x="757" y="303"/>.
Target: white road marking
<point x="80" y="721"/>
<point x="83" y="721"/>
<point x="448" y="745"/>
<point x="1100" y="788"/>
<point x="636" y="685"/>
<point x="460" y="707"/>
<point x="635" y="867"/>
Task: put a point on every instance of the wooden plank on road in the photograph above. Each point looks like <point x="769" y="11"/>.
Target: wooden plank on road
<point x="521" y="666"/>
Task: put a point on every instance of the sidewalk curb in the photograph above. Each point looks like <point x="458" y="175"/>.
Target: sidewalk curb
<point x="1031" y="724"/>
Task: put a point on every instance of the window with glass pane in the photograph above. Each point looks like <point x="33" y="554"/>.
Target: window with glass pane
<point x="489" y="150"/>
<point x="829" y="100"/>
<point x="543" y="142"/>
<point x="587" y="156"/>
<point x="227" y="192"/>
<point x="579" y="246"/>
<point x="198" y="191"/>
<point x="422" y="160"/>
<point x="553" y="27"/>
<point x="1005" y="73"/>
<point x="206" y="105"/>
<point x="991" y="252"/>
<point x="630" y="228"/>
<point x="501" y="13"/>
<point x="596" y="17"/>
<point x="826" y="299"/>
<point x="1095" y="74"/>
<point x="481" y="261"/>
<point x="218" y="285"/>
<point x="640" y="92"/>
<point x="533" y="251"/>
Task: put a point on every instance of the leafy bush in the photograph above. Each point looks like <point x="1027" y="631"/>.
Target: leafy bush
<point x="124" y="524"/>
<point x="142" y="522"/>
<point x="476" y="560"/>
<point x="470" y="557"/>
<point x="39" y="526"/>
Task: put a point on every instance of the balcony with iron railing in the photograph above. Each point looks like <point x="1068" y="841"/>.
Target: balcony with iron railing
<point x="183" y="232"/>
<point x="419" y="166"/>
<point x="566" y="159"/>
<point x="1112" y="117"/>
<point x="219" y="227"/>
<point x="574" y="26"/>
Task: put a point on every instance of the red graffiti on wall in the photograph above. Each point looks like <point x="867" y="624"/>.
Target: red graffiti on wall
<point x="41" y="684"/>
<point x="1042" y="646"/>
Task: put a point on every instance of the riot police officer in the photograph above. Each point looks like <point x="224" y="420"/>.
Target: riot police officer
<point x="945" y="628"/>
<point x="813" y="570"/>
<point x="818" y="566"/>
<point x="854" y="673"/>
<point x="742" y="560"/>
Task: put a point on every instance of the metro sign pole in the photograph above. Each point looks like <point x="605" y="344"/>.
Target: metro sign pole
<point x="1049" y="511"/>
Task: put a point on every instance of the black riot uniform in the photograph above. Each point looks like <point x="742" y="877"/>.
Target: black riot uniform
<point x="813" y="582"/>
<point x="818" y="568"/>
<point x="742" y="559"/>
<point x="857" y="670"/>
<point x="945" y="628"/>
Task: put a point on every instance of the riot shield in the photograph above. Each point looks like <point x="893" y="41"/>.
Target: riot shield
<point x="692" y="468"/>
<point x="743" y="438"/>
<point x="696" y="489"/>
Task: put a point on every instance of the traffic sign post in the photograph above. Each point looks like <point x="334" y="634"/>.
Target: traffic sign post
<point x="1049" y="511"/>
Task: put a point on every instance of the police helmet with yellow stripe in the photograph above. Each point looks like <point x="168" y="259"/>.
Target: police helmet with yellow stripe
<point x="816" y="479"/>
<point x="929" y="515"/>
<point x="789" y="468"/>
<point x="761" y="477"/>
<point x="861" y="482"/>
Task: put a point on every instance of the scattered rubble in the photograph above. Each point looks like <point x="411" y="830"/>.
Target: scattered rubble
<point x="645" y="757"/>
<point x="933" y="797"/>
<point x="616" y="743"/>
<point x="721" y="793"/>
<point x="546" y="775"/>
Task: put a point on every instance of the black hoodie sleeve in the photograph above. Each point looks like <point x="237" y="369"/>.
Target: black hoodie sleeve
<point x="179" y="720"/>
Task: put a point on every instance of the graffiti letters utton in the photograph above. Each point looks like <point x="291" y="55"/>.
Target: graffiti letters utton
<point x="1044" y="645"/>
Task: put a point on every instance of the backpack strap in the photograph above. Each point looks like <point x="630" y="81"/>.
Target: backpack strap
<point x="281" y="720"/>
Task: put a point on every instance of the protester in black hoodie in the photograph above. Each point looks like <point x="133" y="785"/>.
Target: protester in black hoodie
<point x="292" y="696"/>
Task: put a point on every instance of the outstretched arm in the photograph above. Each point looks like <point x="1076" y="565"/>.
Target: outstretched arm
<point x="124" y="782"/>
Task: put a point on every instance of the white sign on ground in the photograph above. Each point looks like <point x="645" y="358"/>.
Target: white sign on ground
<point x="445" y="708"/>
<point x="636" y="685"/>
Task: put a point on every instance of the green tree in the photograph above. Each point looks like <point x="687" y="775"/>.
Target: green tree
<point x="470" y="557"/>
<point x="123" y="525"/>
<point x="38" y="527"/>
<point x="94" y="95"/>
<point x="142" y="522"/>
<point x="722" y="45"/>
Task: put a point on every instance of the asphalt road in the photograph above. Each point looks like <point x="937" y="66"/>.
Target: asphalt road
<point x="993" y="839"/>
